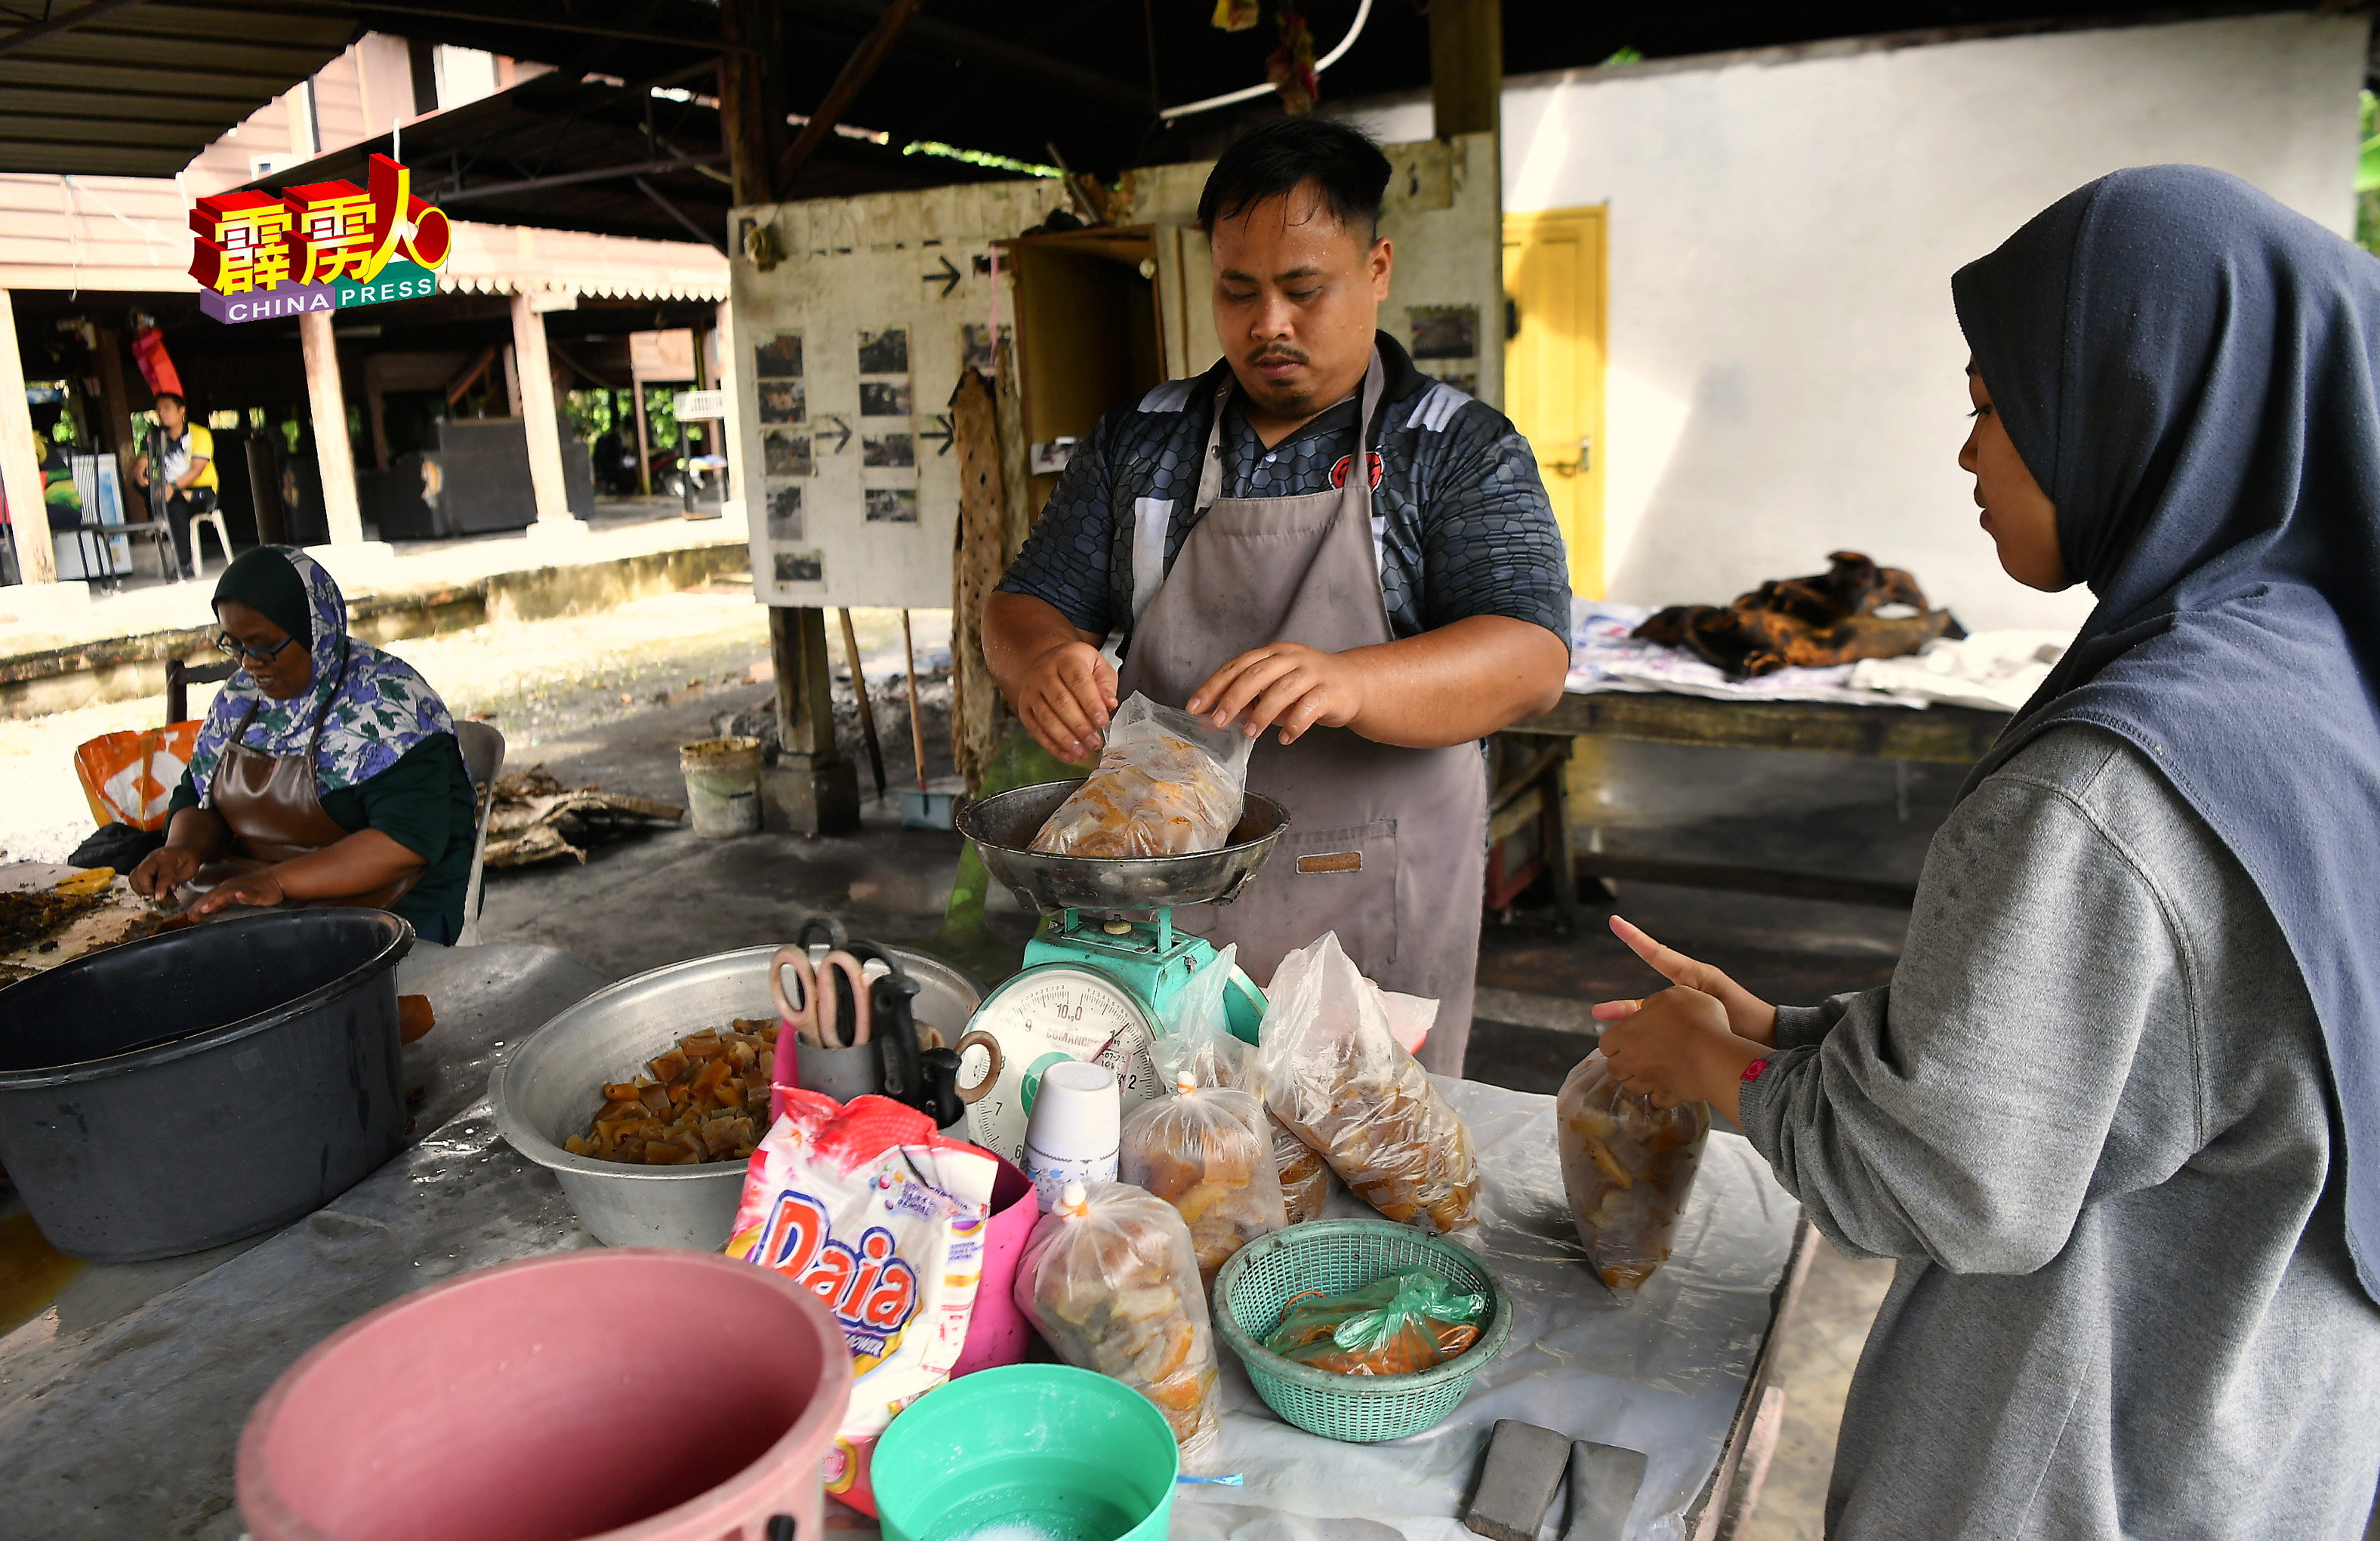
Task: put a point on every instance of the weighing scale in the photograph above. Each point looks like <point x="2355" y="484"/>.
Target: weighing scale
<point x="1096" y="982"/>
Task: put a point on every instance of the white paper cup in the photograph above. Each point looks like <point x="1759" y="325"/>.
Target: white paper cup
<point x="1077" y="1114"/>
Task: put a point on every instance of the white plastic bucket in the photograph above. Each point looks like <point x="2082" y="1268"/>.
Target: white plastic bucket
<point x="722" y="785"/>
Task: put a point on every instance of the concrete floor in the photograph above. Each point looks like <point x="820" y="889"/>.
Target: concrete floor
<point x="652" y="898"/>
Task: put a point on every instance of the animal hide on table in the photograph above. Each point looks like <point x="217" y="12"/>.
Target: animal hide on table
<point x="1806" y="623"/>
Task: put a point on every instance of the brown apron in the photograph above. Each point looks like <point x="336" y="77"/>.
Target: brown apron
<point x="1389" y="845"/>
<point x="275" y="815"/>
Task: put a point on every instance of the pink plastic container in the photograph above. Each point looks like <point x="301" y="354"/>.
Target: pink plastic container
<point x="997" y="1331"/>
<point x="632" y="1394"/>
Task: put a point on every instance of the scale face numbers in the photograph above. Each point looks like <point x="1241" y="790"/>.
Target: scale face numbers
<point x="1037" y="1019"/>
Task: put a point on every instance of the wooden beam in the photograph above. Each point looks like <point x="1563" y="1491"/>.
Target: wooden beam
<point x="751" y="96"/>
<point x="1466" y="65"/>
<point x="334" y="453"/>
<point x="1937" y="734"/>
<point x="20" y="460"/>
<point x="857" y="72"/>
<point x="535" y="385"/>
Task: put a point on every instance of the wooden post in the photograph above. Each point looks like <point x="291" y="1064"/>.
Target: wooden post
<point x="20" y="460"/>
<point x="114" y="430"/>
<point x="751" y="96"/>
<point x="536" y="387"/>
<point x="730" y="441"/>
<point x="644" y="450"/>
<point x="817" y="789"/>
<point x="334" y="451"/>
<point x="1466" y="65"/>
<point x="866" y="702"/>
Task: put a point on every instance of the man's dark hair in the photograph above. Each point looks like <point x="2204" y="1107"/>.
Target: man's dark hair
<point x="1342" y="163"/>
<point x="174" y="396"/>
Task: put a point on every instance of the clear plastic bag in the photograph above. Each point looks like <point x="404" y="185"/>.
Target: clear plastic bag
<point x="1399" y="1325"/>
<point x="1109" y="1281"/>
<point x="1627" y="1167"/>
<point x="1338" y="1078"/>
<point x="1206" y="1152"/>
<point x="1199" y="1043"/>
<point x="1166" y="786"/>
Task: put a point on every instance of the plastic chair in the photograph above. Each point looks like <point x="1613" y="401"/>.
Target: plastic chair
<point x="213" y="518"/>
<point x="483" y="756"/>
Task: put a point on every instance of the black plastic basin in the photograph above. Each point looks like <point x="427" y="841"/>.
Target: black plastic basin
<point x="184" y="1091"/>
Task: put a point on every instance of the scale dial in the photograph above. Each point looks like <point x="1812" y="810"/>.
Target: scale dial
<point x="1041" y="1017"/>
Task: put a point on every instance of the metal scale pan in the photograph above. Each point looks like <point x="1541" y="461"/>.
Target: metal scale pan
<point x="1003" y="825"/>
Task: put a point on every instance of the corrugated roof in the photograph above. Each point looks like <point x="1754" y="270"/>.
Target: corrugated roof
<point x="136" y="88"/>
<point x="593" y="154"/>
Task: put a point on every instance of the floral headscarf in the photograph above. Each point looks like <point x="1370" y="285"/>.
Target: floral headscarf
<point x="379" y="707"/>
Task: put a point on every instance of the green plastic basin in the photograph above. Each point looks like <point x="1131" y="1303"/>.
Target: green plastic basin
<point x="1027" y="1452"/>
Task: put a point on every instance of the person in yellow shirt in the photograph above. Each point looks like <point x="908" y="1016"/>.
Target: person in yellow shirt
<point x="181" y="455"/>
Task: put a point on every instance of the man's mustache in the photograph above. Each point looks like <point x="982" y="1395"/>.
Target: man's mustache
<point x="1290" y="354"/>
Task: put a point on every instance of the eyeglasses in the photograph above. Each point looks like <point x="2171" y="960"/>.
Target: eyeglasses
<point x="247" y="655"/>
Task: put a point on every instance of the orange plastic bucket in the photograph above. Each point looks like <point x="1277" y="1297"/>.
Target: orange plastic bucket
<point x="632" y="1394"/>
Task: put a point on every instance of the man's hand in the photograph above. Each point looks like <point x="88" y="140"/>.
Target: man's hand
<point x="260" y="887"/>
<point x="163" y="870"/>
<point x="1676" y="1046"/>
<point x="1288" y="685"/>
<point x="140" y="470"/>
<point x="1064" y="697"/>
<point x="1748" y="1016"/>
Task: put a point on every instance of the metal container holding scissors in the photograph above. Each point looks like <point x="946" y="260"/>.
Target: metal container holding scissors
<point x="550" y="1089"/>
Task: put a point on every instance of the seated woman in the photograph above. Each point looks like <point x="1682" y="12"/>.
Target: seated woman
<point x="327" y="772"/>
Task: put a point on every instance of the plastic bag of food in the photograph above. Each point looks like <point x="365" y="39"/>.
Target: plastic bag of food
<point x="1207" y="1151"/>
<point x="1337" y="1076"/>
<point x="1166" y="785"/>
<point x="1199" y="1043"/>
<point x="1627" y="1167"/>
<point x="882" y="1220"/>
<point x="1109" y="1281"/>
<point x="1408" y="1321"/>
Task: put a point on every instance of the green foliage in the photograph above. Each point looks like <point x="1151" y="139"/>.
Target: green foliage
<point x="1626" y="54"/>
<point x="2367" y="177"/>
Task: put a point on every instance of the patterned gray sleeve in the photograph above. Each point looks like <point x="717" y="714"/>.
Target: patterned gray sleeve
<point x="1064" y="563"/>
<point x="1489" y="544"/>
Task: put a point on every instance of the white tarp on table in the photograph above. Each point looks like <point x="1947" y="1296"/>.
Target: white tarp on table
<point x="1661" y="1372"/>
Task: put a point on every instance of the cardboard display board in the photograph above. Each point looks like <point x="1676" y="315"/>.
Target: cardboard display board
<point x="850" y="345"/>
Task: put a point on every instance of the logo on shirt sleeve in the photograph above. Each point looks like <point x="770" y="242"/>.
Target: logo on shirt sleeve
<point x="1339" y="472"/>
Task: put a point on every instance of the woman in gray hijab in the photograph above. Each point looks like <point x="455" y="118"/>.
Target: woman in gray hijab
<point x="2117" y="1115"/>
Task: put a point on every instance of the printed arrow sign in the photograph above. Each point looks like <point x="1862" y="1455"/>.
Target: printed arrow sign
<point x="948" y="278"/>
<point x="942" y="432"/>
<point x="842" y="426"/>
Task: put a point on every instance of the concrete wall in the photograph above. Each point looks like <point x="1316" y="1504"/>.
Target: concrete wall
<point x="1785" y="371"/>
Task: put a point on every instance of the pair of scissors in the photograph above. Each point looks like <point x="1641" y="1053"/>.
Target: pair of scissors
<point x="813" y="1019"/>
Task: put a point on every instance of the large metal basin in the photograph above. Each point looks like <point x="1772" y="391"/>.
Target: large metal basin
<point x="550" y="1089"/>
<point x="1003" y="828"/>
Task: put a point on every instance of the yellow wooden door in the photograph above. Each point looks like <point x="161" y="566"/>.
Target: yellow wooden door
<point x="1554" y="274"/>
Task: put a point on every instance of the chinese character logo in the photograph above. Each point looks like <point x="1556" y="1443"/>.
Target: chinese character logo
<point x="317" y="233"/>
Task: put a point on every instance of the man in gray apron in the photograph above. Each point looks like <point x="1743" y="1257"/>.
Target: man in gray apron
<point x="1316" y="542"/>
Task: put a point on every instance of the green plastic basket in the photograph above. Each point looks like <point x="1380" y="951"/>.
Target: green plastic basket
<point x="1265" y="1275"/>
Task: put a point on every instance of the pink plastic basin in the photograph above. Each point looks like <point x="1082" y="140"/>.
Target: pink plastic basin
<point x="635" y="1394"/>
<point x="997" y="1331"/>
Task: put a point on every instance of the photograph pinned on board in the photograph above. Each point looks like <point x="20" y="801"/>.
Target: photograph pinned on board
<point x="1444" y="331"/>
<point x="884" y="398"/>
<point x="777" y="358"/>
<point x="975" y="346"/>
<point x="785" y="453"/>
<point x="801" y="566"/>
<point x="885" y="352"/>
<point x="887" y="449"/>
<point x="891" y="505"/>
<point x="782" y="401"/>
<point x="786" y="521"/>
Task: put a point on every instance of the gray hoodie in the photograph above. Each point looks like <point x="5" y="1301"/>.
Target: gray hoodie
<point x="2092" y="1117"/>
